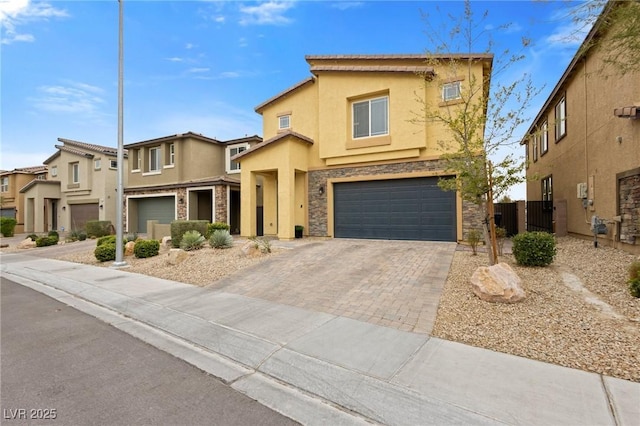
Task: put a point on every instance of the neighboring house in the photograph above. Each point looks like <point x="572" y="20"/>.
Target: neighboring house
<point x="81" y="186"/>
<point x="184" y="176"/>
<point x="583" y="148"/>
<point x="341" y="158"/>
<point x="12" y="199"/>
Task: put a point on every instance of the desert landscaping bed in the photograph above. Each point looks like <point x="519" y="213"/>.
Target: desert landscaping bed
<point x="555" y="323"/>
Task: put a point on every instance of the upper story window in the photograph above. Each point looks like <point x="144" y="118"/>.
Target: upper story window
<point x="284" y="122"/>
<point x="547" y="193"/>
<point x="561" y="118"/>
<point x="54" y="171"/>
<point x="171" y="157"/>
<point x="154" y="159"/>
<point x="41" y="177"/>
<point x="526" y="154"/>
<point x="75" y="172"/>
<point x="544" y="138"/>
<point x="136" y="160"/>
<point x="534" y="147"/>
<point x="97" y="164"/>
<point x="371" y="117"/>
<point x="113" y="164"/>
<point x="234" y="166"/>
<point x="451" y="91"/>
<point x="4" y="184"/>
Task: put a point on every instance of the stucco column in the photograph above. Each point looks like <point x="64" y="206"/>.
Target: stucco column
<point x="286" y="203"/>
<point x="248" y="203"/>
<point x="38" y="215"/>
<point x="270" y="204"/>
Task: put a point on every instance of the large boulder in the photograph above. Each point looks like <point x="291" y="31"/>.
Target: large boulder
<point x="250" y="249"/>
<point x="498" y="283"/>
<point x="166" y="242"/>
<point x="176" y="256"/>
<point x="128" y="248"/>
<point x="27" y="243"/>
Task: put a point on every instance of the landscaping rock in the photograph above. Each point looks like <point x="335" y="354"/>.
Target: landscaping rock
<point x="176" y="256"/>
<point x="128" y="248"/>
<point x="27" y="243"/>
<point x="166" y="241"/>
<point x="497" y="283"/>
<point x="250" y="249"/>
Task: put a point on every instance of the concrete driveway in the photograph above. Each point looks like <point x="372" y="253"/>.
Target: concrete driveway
<point x="391" y="283"/>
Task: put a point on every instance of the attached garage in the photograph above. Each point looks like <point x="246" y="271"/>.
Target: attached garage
<point x="8" y="212"/>
<point x="162" y="209"/>
<point x="395" y="209"/>
<point x="81" y="213"/>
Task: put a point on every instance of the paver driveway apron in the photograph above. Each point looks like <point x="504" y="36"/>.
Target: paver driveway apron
<point x="391" y="283"/>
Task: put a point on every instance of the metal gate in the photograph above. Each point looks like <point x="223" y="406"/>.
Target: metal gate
<point x="540" y="216"/>
<point x="506" y="215"/>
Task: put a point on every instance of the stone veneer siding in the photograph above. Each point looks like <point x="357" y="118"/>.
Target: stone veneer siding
<point x="221" y="203"/>
<point x="630" y="209"/>
<point x="318" y="202"/>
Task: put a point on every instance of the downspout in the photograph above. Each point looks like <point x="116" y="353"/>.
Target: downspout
<point x="586" y="137"/>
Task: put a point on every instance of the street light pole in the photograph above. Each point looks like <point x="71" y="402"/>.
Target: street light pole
<point x="119" y="263"/>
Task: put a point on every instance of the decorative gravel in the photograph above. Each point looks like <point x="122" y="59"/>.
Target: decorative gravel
<point x="554" y="324"/>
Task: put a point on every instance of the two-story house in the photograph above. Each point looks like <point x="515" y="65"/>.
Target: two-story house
<point x="80" y="186"/>
<point x="11" y="182"/>
<point x="342" y="159"/>
<point x="583" y="148"/>
<point x="184" y="176"/>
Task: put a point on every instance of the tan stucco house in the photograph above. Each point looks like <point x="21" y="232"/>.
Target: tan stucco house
<point x="583" y="148"/>
<point x="341" y="158"/>
<point x="184" y="176"/>
<point x="11" y="181"/>
<point x="81" y="185"/>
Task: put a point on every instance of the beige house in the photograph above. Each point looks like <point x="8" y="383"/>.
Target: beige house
<point x="184" y="176"/>
<point x="80" y="186"/>
<point x="583" y="148"/>
<point x="12" y="199"/>
<point x="341" y="158"/>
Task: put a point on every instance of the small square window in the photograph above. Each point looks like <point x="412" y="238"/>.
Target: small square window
<point x="451" y="91"/>
<point x="54" y="171"/>
<point x="97" y="164"/>
<point x="371" y="117"/>
<point x="113" y="164"/>
<point x="284" y="122"/>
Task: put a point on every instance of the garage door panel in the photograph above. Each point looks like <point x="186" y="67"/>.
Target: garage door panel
<point x="161" y="209"/>
<point x="406" y="209"/>
<point x="82" y="213"/>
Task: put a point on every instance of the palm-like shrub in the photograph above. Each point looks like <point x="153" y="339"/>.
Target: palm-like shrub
<point x="192" y="240"/>
<point x="221" y="239"/>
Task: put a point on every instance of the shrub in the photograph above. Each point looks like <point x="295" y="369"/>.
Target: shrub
<point x="634" y="278"/>
<point x="179" y="227"/>
<point x="131" y="237"/>
<point x="54" y="234"/>
<point x="108" y="239"/>
<point x="192" y="240"/>
<point x="7" y="226"/>
<point x="105" y="252"/>
<point x="46" y="241"/>
<point x="98" y="228"/>
<point x="215" y="226"/>
<point x="263" y="244"/>
<point x="146" y="248"/>
<point x="501" y="234"/>
<point x="32" y="236"/>
<point x="474" y="237"/>
<point x="82" y="235"/>
<point x="221" y="239"/>
<point x="534" y="248"/>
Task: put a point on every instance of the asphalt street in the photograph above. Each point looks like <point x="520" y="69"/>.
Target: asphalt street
<point x="61" y="366"/>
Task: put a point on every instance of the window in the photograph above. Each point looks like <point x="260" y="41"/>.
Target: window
<point x="54" y="171"/>
<point x="136" y="159"/>
<point x="547" y="193"/>
<point x="154" y="159"/>
<point x="172" y="154"/>
<point x="75" y="172"/>
<point x="284" y="122"/>
<point x="97" y="164"/>
<point x="561" y="119"/>
<point x="41" y="177"/>
<point x="4" y="184"/>
<point x="535" y="147"/>
<point x="526" y="154"/>
<point x="371" y="117"/>
<point x="113" y="164"/>
<point x="544" y="138"/>
<point x="451" y="91"/>
<point x="234" y="166"/>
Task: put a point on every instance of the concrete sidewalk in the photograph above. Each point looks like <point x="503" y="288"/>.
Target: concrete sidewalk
<point x="319" y="368"/>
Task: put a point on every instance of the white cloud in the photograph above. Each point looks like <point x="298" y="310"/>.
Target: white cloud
<point x="344" y="5"/>
<point x="268" y="13"/>
<point x="74" y="98"/>
<point x="242" y="42"/>
<point x="230" y="74"/>
<point x="198" y="70"/>
<point x="189" y="46"/>
<point x="219" y="19"/>
<point x="174" y="59"/>
<point x="15" y="13"/>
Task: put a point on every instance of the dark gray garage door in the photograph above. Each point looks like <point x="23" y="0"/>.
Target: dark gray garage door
<point x="81" y="213"/>
<point x="397" y="209"/>
<point x="8" y="212"/>
<point x="161" y="209"/>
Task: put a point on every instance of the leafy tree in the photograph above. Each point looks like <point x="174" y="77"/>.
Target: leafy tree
<point x="484" y="119"/>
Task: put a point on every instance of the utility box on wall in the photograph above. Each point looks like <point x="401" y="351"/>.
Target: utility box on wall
<point x="581" y="190"/>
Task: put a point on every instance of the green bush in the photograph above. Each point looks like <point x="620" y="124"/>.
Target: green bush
<point x="105" y="252"/>
<point x="7" y="226"/>
<point x="534" y="248"/>
<point x="132" y="236"/>
<point x="108" y="239"/>
<point x="221" y="239"/>
<point x="46" y="241"/>
<point x="54" y="234"/>
<point x="82" y="235"/>
<point x="192" y="240"/>
<point x="98" y="228"/>
<point x="32" y="236"/>
<point x="179" y="227"/>
<point x="146" y="248"/>
<point x="215" y="226"/>
<point x="473" y="237"/>
<point x="634" y="278"/>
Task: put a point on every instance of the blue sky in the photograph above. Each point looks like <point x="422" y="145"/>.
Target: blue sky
<point x="203" y="66"/>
